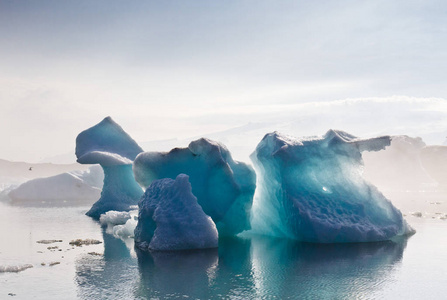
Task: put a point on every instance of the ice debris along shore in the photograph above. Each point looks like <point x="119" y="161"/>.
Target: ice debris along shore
<point x="171" y="219"/>
<point x="110" y="146"/>
<point x="224" y="188"/>
<point x="312" y="190"/>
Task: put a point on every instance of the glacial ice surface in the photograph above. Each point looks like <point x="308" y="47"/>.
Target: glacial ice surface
<point x="312" y="190"/>
<point x="71" y="188"/>
<point x="171" y="219"/>
<point x="223" y="187"/>
<point x="110" y="146"/>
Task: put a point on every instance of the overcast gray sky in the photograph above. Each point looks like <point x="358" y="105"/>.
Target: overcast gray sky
<point x="174" y="69"/>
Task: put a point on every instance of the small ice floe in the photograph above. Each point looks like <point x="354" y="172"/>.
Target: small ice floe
<point x="14" y="269"/>
<point x="417" y="214"/>
<point x="126" y="230"/>
<point x="49" y="241"/>
<point x="114" y="218"/>
<point x="80" y="242"/>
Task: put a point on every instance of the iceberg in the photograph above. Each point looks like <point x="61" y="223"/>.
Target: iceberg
<point x="62" y="189"/>
<point x="16" y="173"/>
<point x="224" y="188"/>
<point x="110" y="146"/>
<point x="312" y="190"/>
<point x="170" y="218"/>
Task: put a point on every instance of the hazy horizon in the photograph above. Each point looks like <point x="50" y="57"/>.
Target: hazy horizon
<point x="171" y="69"/>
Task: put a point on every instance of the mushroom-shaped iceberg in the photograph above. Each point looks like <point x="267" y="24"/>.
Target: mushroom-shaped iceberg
<point x="110" y="146"/>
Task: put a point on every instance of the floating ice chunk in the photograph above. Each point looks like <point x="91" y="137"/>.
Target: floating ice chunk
<point x="48" y="241"/>
<point x="80" y="242"/>
<point x="312" y="190"/>
<point x="417" y="214"/>
<point x="127" y="230"/>
<point x="109" y="145"/>
<point x="71" y="188"/>
<point x="171" y="219"/>
<point x="14" y="269"/>
<point x="16" y="173"/>
<point x="62" y="189"/>
<point x="224" y="188"/>
<point x="114" y="217"/>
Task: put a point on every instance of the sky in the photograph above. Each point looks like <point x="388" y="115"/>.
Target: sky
<point x="181" y="69"/>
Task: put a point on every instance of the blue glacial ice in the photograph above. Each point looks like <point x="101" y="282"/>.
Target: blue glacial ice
<point x="170" y="218"/>
<point x="223" y="187"/>
<point x="110" y="146"/>
<point x="312" y="190"/>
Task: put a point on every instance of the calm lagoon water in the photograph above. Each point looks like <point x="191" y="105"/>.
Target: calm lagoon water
<point x="241" y="268"/>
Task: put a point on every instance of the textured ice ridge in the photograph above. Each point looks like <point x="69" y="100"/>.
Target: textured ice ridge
<point x="171" y="219"/>
<point x="110" y="146"/>
<point x="312" y="190"/>
<point x="224" y="188"/>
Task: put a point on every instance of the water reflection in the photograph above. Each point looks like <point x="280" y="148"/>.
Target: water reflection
<point x="291" y="269"/>
<point x="108" y="276"/>
<point x="256" y="267"/>
<point x="202" y="274"/>
<point x="175" y="274"/>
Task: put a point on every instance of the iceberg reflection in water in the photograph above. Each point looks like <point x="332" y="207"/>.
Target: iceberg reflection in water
<point x="256" y="267"/>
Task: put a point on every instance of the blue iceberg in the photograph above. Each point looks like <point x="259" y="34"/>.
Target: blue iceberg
<point x="170" y="218"/>
<point x="312" y="190"/>
<point x="223" y="187"/>
<point x="110" y="146"/>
